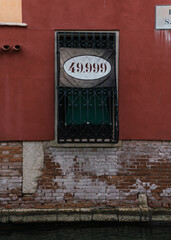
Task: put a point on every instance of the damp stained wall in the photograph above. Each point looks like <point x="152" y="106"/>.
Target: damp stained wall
<point x="27" y="107"/>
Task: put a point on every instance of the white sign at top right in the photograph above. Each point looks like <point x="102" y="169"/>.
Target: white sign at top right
<point x="163" y="17"/>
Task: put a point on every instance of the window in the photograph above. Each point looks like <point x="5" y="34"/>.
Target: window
<point x="10" y="11"/>
<point x="87" y="98"/>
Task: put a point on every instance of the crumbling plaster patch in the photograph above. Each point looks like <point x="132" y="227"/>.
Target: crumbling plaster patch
<point x="33" y="161"/>
<point x="140" y="186"/>
<point x="95" y="163"/>
<point x="166" y="192"/>
<point x="83" y="171"/>
<point x="102" y="174"/>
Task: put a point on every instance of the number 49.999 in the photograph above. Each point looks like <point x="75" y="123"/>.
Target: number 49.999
<point x="88" y="67"/>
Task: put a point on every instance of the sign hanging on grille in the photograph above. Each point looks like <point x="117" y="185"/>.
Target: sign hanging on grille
<point x="86" y="67"/>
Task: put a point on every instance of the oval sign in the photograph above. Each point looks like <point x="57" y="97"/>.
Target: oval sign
<point x="87" y="67"/>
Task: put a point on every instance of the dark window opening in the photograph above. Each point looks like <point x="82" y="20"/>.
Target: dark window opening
<point x="87" y="108"/>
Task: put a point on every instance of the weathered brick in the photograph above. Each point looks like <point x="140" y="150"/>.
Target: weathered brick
<point x="90" y="176"/>
<point x="16" y="159"/>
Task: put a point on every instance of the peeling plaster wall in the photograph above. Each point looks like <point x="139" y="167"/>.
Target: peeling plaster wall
<point x="107" y="176"/>
<point x="85" y="177"/>
<point x="33" y="159"/>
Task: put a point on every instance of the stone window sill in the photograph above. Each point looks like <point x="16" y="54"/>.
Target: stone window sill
<point x="85" y="145"/>
<point x="13" y="24"/>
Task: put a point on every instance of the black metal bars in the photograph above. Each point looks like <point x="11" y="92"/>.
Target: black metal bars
<point x="87" y="115"/>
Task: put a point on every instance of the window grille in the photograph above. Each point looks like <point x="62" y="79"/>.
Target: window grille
<point x="87" y="114"/>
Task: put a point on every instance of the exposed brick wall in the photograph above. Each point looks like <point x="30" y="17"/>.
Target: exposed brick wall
<point x="91" y="177"/>
<point x="10" y="174"/>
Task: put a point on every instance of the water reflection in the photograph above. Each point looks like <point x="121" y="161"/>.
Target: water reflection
<point x="119" y="232"/>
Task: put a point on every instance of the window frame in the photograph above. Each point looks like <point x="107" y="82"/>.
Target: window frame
<point x="55" y="143"/>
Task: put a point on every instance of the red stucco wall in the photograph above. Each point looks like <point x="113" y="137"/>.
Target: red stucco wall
<point x="27" y="77"/>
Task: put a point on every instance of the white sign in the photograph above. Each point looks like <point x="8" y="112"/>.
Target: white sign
<point x="87" y="67"/>
<point x="163" y="17"/>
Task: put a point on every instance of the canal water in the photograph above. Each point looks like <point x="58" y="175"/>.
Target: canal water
<point x="103" y="232"/>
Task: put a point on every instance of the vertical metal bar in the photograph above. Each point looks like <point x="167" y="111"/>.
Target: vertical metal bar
<point x="79" y="40"/>
<point x="64" y="39"/>
<point x="72" y="110"/>
<point x="102" y="94"/>
<point x="100" y="40"/>
<point x="86" y="40"/>
<point x="108" y="41"/>
<point x="93" y="40"/>
<point x="65" y="110"/>
<point x="80" y="104"/>
<point x="95" y="111"/>
<point x="57" y="86"/>
<point x="87" y="120"/>
<point x="114" y="91"/>
<point x="72" y="39"/>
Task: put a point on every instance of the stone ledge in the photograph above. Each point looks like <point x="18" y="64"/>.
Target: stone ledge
<point x="13" y="24"/>
<point x="55" y="144"/>
<point x="85" y="215"/>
